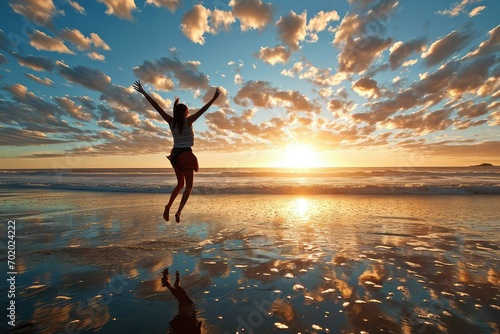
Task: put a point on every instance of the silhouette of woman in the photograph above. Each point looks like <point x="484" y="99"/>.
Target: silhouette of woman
<point x="185" y="321"/>
<point x="181" y="156"/>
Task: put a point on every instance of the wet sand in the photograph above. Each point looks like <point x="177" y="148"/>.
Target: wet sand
<point x="90" y="262"/>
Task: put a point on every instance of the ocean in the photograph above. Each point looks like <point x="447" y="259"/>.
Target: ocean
<point x="352" y="181"/>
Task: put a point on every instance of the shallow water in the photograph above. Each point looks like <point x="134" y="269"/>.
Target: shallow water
<point x="91" y="262"/>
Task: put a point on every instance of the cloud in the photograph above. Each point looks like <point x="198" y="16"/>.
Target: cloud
<point x="358" y="55"/>
<point x="468" y="109"/>
<point x="476" y="11"/>
<point x="401" y="51"/>
<point x="46" y="81"/>
<point x="220" y="19"/>
<point x="37" y="63"/>
<point x="87" y="77"/>
<point x="121" y="8"/>
<point x="321" y="20"/>
<point x="76" y="6"/>
<point x="457" y="8"/>
<point x="443" y="48"/>
<point x="41" y="41"/>
<point x="360" y="37"/>
<point x="231" y="133"/>
<point x="295" y="101"/>
<point x="297" y="68"/>
<point x="257" y="92"/>
<point x="253" y="14"/>
<point x="33" y="113"/>
<point x="107" y="124"/>
<point x="491" y="45"/>
<point x="262" y="94"/>
<point x="195" y="23"/>
<point x="292" y="29"/>
<point x="96" y="56"/>
<point x="171" y="5"/>
<point x="422" y="122"/>
<point x="74" y="110"/>
<point x="278" y="54"/>
<point x="200" y="20"/>
<point x="450" y="81"/>
<point x="22" y="137"/>
<point x="159" y="74"/>
<point x="465" y="150"/>
<point x="40" y="12"/>
<point x="238" y="79"/>
<point x="83" y="43"/>
<point x="366" y="87"/>
<point x="322" y="76"/>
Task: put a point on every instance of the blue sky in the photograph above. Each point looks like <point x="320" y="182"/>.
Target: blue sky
<point x="351" y="82"/>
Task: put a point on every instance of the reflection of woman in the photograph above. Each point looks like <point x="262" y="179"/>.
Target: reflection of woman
<point x="182" y="158"/>
<point x="185" y="321"/>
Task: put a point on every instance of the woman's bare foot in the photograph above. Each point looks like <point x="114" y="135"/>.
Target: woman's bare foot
<point x="177" y="217"/>
<point x="166" y="213"/>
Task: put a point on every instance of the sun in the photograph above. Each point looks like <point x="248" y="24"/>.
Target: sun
<point x="300" y="156"/>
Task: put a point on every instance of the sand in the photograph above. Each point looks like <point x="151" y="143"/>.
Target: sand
<point x="90" y="262"/>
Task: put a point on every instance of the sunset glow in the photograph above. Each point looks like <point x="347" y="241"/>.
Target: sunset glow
<point x="354" y="83"/>
<point x="300" y="156"/>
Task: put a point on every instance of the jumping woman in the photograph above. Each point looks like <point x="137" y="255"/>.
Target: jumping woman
<point x="181" y="156"/>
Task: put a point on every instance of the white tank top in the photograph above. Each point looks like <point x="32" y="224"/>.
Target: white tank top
<point x="184" y="139"/>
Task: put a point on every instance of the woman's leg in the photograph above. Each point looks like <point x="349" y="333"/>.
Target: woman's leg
<point x="188" y="176"/>
<point x="175" y="192"/>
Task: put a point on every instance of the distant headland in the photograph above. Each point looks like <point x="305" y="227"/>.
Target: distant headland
<point x="485" y="164"/>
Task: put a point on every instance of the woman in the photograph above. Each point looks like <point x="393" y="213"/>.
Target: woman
<point x="181" y="156"/>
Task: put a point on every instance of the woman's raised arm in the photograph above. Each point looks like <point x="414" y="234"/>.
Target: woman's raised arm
<point x="192" y="118"/>
<point x="166" y="117"/>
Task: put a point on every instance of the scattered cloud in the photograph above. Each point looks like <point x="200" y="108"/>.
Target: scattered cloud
<point x="83" y="43"/>
<point x="366" y="87"/>
<point x="76" y="6"/>
<point x="171" y="5"/>
<point x="121" y="8"/>
<point x="76" y="111"/>
<point x="41" y="41"/>
<point x="457" y="9"/>
<point x="400" y="51"/>
<point x="261" y="94"/>
<point x="37" y="11"/>
<point x="195" y="24"/>
<point x="476" y="11"/>
<point x="200" y="20"/>
<point x="87" y="77"/>
<point x="160" y="73"/>
<point x="252" y="14"/>
<point x="491" y="45"/>
<point x="443" y="48"/>
<point x="37" y="63"/>
<point x="292" y="29"/>
<point x="278" y="54"/>
<point x="45" y="81"/>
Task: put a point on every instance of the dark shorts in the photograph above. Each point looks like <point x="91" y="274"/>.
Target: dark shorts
<point x="186" y="160"/>
<point x="183" y="159"/>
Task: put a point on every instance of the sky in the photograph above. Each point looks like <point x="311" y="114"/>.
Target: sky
<point x="338" y="83"/>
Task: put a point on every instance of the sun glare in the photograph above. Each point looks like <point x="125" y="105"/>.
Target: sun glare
<point x="300" y="156"/>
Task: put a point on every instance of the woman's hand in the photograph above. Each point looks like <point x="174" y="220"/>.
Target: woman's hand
<point x="216" y="94"/>
<point x="138" y="87"/>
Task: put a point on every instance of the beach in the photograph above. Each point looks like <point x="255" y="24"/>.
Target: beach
<point x="92" y="261"/>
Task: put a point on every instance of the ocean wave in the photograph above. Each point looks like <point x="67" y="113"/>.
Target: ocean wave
<point x="457" y="189"/>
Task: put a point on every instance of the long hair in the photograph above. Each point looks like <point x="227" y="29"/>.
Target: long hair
<point x="179" y="115"/>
